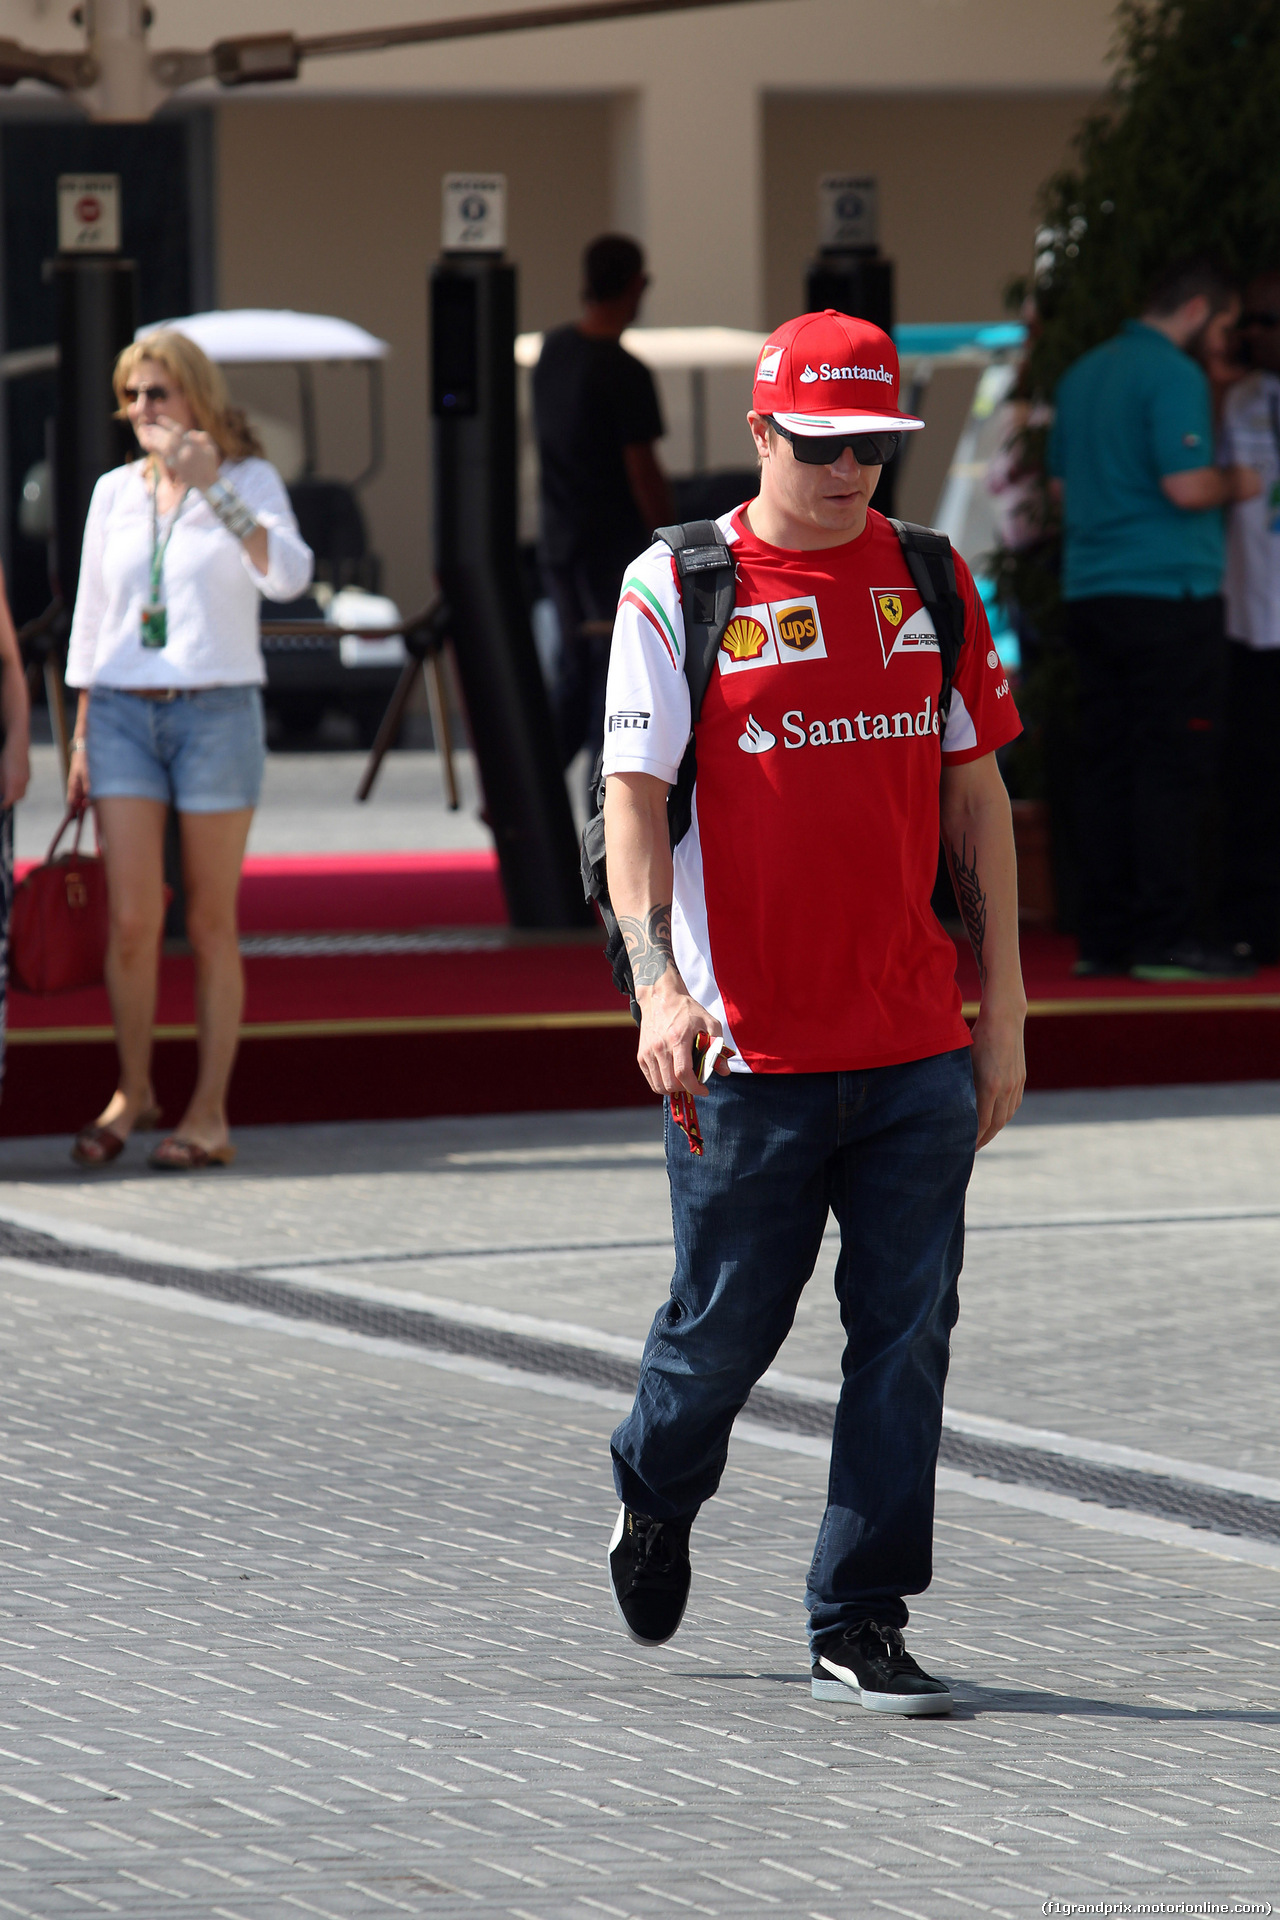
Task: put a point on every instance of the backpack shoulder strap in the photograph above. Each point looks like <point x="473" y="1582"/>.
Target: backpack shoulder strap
<point x="708" y="585"/>
<point x="932" y="566"/>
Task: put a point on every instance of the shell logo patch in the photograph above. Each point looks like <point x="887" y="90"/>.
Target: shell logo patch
<point x="748" y="642"/>
<point x="744" y="639"/>
<point x="902" y="622"/>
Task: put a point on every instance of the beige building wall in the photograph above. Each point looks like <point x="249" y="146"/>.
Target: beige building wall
<point x="702" y="132"/>
<point x="333" y="206"/>
<point x="958" y="177"/>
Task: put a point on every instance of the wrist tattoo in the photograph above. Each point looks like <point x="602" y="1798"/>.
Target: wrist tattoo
<point x="971" y="900"/>
<point x="648" y="944"/>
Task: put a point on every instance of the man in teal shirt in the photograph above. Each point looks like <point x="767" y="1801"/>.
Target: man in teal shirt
<point x="1132" y="459"/>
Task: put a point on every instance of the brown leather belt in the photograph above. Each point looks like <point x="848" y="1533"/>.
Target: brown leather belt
<point x="166" y="694"/>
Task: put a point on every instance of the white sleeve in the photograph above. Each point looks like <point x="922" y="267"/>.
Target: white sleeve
<point x="91" y="595"/>
<point x="647" y="700"/>
<point x="290" y="561"/>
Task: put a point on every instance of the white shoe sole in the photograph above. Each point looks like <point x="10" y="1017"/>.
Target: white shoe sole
<point x="916" y="1705"/>
<point x="637" y="1638"/>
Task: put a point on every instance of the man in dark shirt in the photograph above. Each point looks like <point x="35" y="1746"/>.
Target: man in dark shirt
<point x="597" y="416"/>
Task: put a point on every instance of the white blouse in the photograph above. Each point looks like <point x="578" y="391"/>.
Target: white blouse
<point x="209" y="585"/>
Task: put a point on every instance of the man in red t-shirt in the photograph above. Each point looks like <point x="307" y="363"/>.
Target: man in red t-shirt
<point x="793" y="925"/>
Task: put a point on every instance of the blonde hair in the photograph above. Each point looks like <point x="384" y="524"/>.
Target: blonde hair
<point x="201" y="382"/>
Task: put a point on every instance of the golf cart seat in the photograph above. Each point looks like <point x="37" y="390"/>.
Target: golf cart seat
<point x="332" y="525"/>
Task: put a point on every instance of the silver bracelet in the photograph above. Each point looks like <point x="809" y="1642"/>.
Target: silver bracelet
<point x="230" y="509"/>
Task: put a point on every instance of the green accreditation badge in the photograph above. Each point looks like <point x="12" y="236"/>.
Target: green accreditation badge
<point x="155" y="626"/>
<point x="155" y="615"/>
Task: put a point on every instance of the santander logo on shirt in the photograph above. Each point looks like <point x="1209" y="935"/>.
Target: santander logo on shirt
<point x="754" y="738"/>
<point x="800" y="732"/>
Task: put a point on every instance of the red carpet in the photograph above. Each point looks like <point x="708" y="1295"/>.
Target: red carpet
<point x="385" y="891"/>
<point x="511" y="1024"/>
<point x="1126" y="1033"/>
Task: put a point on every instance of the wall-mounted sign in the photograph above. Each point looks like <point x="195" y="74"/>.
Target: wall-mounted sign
<point x="89" y="213"/>
<point x="475" y="213"/>
<point x="848" y="210"/>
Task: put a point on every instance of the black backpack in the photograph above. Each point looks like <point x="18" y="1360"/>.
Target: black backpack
<point x="708" y="590"/>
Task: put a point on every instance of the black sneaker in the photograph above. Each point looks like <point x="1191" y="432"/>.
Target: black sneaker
<point x="1190" y="961"/>
<point x="649" y="1575"/>
<point x="1261" y="953"/>
<point x="869" y="1666"/>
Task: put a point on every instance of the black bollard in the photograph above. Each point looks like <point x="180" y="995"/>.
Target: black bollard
<point x="857" y="281"/>
<point x="97" y="314"/>
<point x="473" y="330"/>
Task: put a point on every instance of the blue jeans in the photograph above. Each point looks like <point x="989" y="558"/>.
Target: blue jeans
<point x="889" y="1151"/>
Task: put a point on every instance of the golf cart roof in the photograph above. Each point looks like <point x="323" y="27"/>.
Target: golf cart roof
<point x="254" y="334"/>
<point x="672" y="347"/>
<point x="954" y="343"/>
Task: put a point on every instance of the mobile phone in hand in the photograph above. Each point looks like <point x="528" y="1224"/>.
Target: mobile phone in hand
<point x="706" y="1052"/>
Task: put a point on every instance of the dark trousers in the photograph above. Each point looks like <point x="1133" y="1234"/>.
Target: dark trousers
<point x="889" y="1151"/>
<point x="585" y="595"/>
<point x="1251" y="799"/>
<point x="1149" y="679"/>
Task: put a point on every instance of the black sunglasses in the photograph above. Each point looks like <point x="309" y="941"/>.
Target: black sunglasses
<point x="1259" y="319"/>
<point x="146" y="393"/>
<point x="823" y="450"/>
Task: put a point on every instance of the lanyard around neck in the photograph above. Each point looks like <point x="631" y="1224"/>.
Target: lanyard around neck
<point x="160" y="547"/>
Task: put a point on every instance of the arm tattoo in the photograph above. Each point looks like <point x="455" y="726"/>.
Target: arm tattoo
<point x="648" y="944"/>
<point x="972" y="900"/>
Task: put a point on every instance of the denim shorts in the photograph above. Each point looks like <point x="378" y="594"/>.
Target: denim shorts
<point x="201" y="753"/>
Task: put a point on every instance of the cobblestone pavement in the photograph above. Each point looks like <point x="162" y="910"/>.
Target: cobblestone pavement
<point x="1161" y="1334"/>
<point x="297" y="1622"/>
<point x="295" y="1626"/>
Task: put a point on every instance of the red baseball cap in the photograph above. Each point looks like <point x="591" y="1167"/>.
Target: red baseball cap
<point x="825" y="373"/>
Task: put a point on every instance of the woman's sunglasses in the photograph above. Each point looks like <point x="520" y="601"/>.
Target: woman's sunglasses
<point x="134" y="394"/>
<point x="823" y="450"/>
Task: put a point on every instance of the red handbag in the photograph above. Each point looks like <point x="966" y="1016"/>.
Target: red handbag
<point x="58" y="923"/>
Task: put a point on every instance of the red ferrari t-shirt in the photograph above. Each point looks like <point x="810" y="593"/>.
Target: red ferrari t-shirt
<point x="801" y="915"/>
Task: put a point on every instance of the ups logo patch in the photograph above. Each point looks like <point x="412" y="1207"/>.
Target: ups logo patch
<point x="798" y="626"/>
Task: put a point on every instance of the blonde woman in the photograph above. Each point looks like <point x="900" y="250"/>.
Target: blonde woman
<point x="178" y="548"/>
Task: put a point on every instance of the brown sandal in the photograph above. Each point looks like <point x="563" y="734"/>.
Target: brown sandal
<point x="176" y="1155"/>
<point x="98" y="1146"/>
